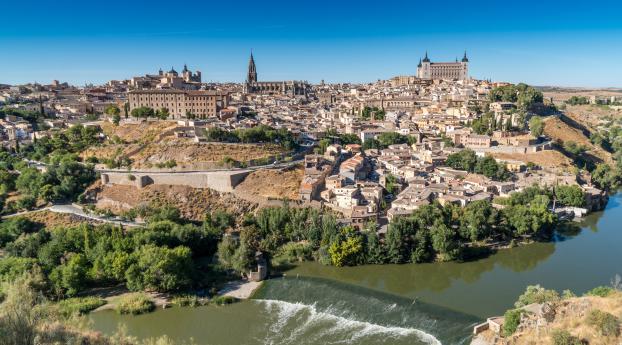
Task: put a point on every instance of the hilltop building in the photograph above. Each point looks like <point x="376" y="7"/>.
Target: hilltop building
<point x="180" y="103"/>
<point x="458" y="70"/>
<point x="289" y="87"/>
<point x="168" y="80"/>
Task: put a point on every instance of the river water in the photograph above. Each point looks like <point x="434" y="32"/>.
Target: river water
<point x="435" y="303"/>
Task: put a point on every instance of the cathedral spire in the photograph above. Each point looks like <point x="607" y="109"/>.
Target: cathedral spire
<point x="251" y="76"/>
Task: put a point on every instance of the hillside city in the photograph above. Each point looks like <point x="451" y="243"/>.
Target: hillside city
<point x="196" y="191"/>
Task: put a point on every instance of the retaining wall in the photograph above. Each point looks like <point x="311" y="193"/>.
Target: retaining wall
<point x="222" y="181"/>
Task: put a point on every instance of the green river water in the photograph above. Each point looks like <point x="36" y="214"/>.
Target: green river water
<point x="435" y="303"/>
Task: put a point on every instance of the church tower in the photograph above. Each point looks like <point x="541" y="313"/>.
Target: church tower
<point x="464" y="72"/>
<point x="251" y="77"/>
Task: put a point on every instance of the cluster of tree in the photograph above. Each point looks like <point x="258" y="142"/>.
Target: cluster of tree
<point x="467" y="160"/>
<point x="523" y="95"/>
<point x="35" y="118"/>
<point x="433" y="232"/>
<point x="27" y="316"/>
<point x="373" y="113"/>
<point x="577" y="100"/>
<point x="388" y="138"/>
<point x="604" y="175"/>
<point x="164" y="255"/>
<point x="146" y="112"/>
<point x="64" y="179"/>
<point x="73" y="140"/>
<point x="332" y="137"/>
<point x="487" y="123"/>
<point x="259" y="134"/>
<point x="570" y="196"/>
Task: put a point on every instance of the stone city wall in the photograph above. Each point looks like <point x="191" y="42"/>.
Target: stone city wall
<point x="222" y="181"/>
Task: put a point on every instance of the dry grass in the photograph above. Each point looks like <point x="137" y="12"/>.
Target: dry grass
<point x="278" y="184"/>
<point x="561" y="132"/>
<point x="149" y="143"/>
<point x="571" y="315"/>
<point x="549" y="159"/>
<point x="52" y="219"/>
<point x="193" y="203"/>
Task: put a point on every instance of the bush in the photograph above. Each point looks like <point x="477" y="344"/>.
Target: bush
<point x="511" y="321"/>
<point x="80" y="305"/>
<point x="563" y="337"/>
<point x="600" y="291"/>
<point x="536" y="294"/>
<point x="605" y="323"/>
<point x="222" y="300"/>
<point x="188" y="301"/>
<point x="136" y="303"/>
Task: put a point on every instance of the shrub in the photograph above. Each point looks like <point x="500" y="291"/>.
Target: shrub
<point x="222" y="300"/>
<point x="600" y="291"/>
<point x="563" y="337"/>
<point x="605" y="323"/>
<point x="80" y="305"/>
<point x="136" y="303"/>
<point x="511" y="321"/>
<point x="131" y="177"/>
<point x="536" y="294"/>
<point x="188" y="301"/>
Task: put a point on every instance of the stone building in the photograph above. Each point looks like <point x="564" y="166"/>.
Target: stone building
<point x="201" y="104"/>
<point x="458" y="70"/>
<point x="285" y="87"/>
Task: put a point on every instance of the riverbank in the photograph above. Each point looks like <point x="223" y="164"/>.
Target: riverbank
<point x="240" y="289"/>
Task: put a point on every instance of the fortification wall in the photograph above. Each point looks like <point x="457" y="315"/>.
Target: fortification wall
<point x="222" y="181"/>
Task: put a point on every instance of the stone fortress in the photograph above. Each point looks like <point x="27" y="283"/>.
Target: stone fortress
<point x="458" y="70"/>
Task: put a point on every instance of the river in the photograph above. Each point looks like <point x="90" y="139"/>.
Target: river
<point x="434" y="303"/>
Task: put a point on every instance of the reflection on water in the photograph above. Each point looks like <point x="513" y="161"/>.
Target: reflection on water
<point x="575" y="259"/>
<point x="410" y="304"/>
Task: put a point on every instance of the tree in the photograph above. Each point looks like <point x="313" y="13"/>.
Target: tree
<point x="570" y="195"/>
<point x="144" y="112"/>
<point x="444" y="241"/>
<point x="116" y="119"/>
<point x="536" y="126"/>
<point x="347" y="250"/>
<point x="160" y="268"/>
<point x="112" y="110"/>
<point x="71" y="277"/>
<point x="163" y="114"/>
<point x="536" y="294"/>
<point x="463" y="160"/>
<point x="478" y="218"/>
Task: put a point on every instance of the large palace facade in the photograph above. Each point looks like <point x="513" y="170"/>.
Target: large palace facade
<point x="458" y="70"/>
<point x="289" y="87"/>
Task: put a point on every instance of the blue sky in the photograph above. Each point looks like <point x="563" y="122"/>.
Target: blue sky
<point x="539" y="42"/>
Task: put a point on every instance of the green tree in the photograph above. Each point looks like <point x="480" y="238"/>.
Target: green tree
<point x="536" y="126"/>
<point x="347" y="250"/>
<point x="112" y="110"/>
<point x="536" y="294"/>
<point x="160" y="268"/>
<point x="570" y="195"/>
<point x="116" y="119"/>
<point x="71" y="277"/>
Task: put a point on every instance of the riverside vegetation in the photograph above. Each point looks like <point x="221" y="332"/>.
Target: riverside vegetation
<point x="591" y="319"/>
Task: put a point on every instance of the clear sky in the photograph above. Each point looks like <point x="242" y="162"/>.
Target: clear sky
<point x="539" y="42"/>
